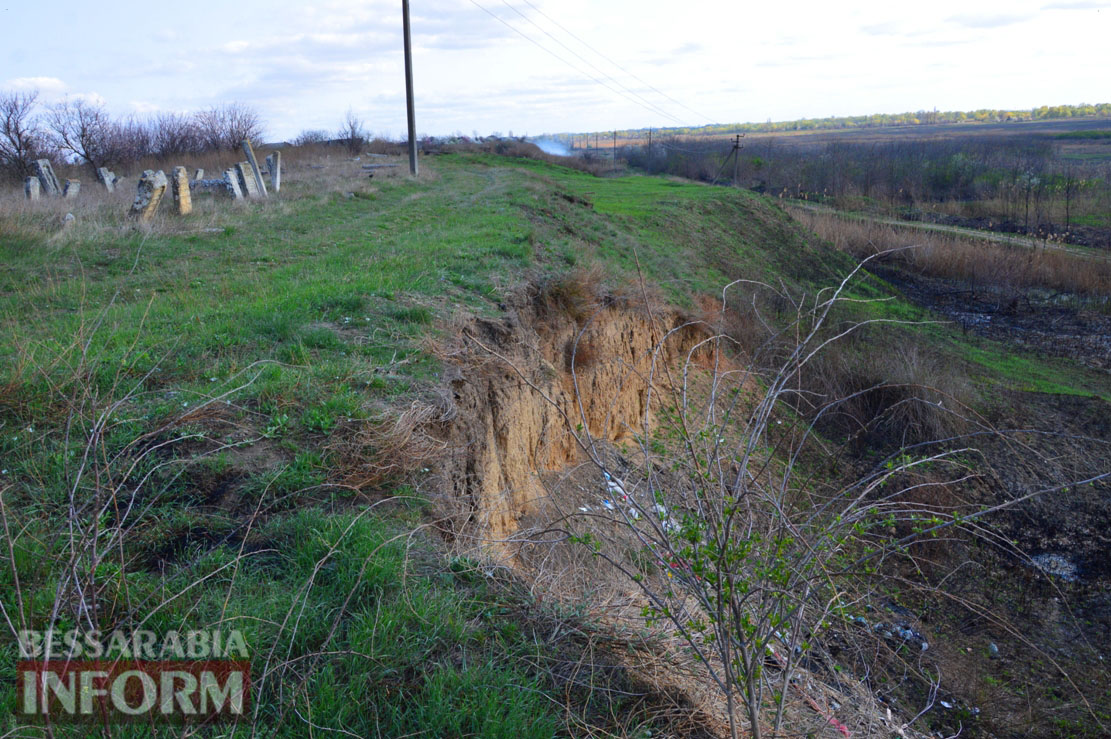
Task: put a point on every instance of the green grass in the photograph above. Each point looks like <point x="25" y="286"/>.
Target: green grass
<point x="307" y="316"/>
<point x="1097" y="133"/>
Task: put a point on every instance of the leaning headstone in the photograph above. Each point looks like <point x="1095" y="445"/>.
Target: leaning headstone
<point x="259" y="184"/>
<point x="47" y="177"/>
<point x="231" y="181"/>
<point x="198" y="175"/>
<point x="107" y="178"/>
<point x="32" y="189"/>
<point x="274" y="164"/>
<point x="72" y="188"/>
<point x="151" y="188"/>
<point x="179" y="182"/>
<point x="68" y="221"/>
<point x="247" y="180"/>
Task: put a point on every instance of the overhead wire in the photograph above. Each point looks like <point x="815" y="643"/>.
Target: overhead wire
<point x="614" y="63"/>
<point x="533" y="41"/>
<point x="593" y="66"/>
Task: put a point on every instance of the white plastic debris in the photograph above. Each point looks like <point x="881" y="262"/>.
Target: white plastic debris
<point x="607" y="505"/>
<point x="634" y="513"/>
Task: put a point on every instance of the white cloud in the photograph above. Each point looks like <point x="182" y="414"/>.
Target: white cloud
<point x="49" y="88"/>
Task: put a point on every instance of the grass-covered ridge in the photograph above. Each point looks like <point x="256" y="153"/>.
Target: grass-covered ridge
<point x="210" y="375"/>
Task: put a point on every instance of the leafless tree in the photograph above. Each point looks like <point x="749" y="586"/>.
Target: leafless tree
<point x="173" y="134"/>
<point x="223" y="127"/>
<point x="83" y="129"/>
<point x="352" y="132"/>
<point x="21" y="138"/>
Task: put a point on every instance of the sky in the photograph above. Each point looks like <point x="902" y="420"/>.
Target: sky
<point x="558" y="65"/>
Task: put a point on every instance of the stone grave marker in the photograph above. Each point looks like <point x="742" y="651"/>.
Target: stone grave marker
<point x="183" y="199"/>
<point x="231" y="181"/>
<point x="32" y="189"/>
<point x="260" y="185"/>
<point x="198" y="175"/>
<point x="47" y="177"/>
<point x="151" y="188"/>
<point x="73" y="187"/>
<point x="107" y="177"/>
<point x="274" y="164"/>
<point x="247" y="180"/>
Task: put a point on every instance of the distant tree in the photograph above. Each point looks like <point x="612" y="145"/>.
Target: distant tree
<point x="311" y="136"/>
<point x="21" y="137"/>
<point x="223" y="127"/>
<point x="352" y="132"/>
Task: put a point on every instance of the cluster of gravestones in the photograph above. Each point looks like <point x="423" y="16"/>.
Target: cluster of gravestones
<point x="243" y="180"/>
<point x="45" y="181"/>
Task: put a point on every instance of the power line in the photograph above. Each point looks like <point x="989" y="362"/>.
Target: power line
<point x="536" y="43"/>
<point x="611" y="61"/>
<point x="586" y="61"/>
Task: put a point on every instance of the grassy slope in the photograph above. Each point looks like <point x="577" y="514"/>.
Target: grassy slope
<point x="332" y="294"/>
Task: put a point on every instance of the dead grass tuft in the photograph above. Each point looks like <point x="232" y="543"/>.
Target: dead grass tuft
<point x="376" y="452"/>
<point x="574" y="294"/>
<point x="889" y="395"/>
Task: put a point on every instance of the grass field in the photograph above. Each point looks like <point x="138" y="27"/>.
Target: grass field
<point x="207" y="371"/>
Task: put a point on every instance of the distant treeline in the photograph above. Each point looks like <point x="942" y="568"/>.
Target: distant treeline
<point x="1019" y="178"/>
<point x="876" y="120"/>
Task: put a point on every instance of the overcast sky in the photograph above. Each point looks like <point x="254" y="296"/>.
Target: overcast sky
<point x="303" y="64"/>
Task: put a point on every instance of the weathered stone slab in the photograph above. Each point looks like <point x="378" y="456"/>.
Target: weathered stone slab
<point x="107" y="177"/>
<point x="179" y="184"/>
<point x="151" y="188"/>
<point x="73" y="187"/>
<point x="274" y="164"/>
<point x="32" y="188"/>
<point x="260" y="185"/>
<point x="198" y="175"/>
<point x="247" y="180"/>
<point x="47" y="177"/>
<point x="231" y="180"/>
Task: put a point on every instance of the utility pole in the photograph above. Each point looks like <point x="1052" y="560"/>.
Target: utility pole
<point x="410" y="108"/>
<point x="649" y="144"/>
<point x="615" y="151"/>
<point x="736" y="156"/>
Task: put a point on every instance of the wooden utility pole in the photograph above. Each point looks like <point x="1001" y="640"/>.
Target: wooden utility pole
<point x="615" y="151"/>
<point x="410" y="108"/>
<point x="736" y="156"/>
<point x="650" y="143"/>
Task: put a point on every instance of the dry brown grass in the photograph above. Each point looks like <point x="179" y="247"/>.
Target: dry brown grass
<point x="373" y="453"/>
<point x="974" y="261"/>
<point x="98" y="214"/>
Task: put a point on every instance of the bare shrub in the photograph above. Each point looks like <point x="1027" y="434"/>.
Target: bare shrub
<point x="175" y="134"/>
<point x="311" y="136"/>
<point x="223" y="127"/>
